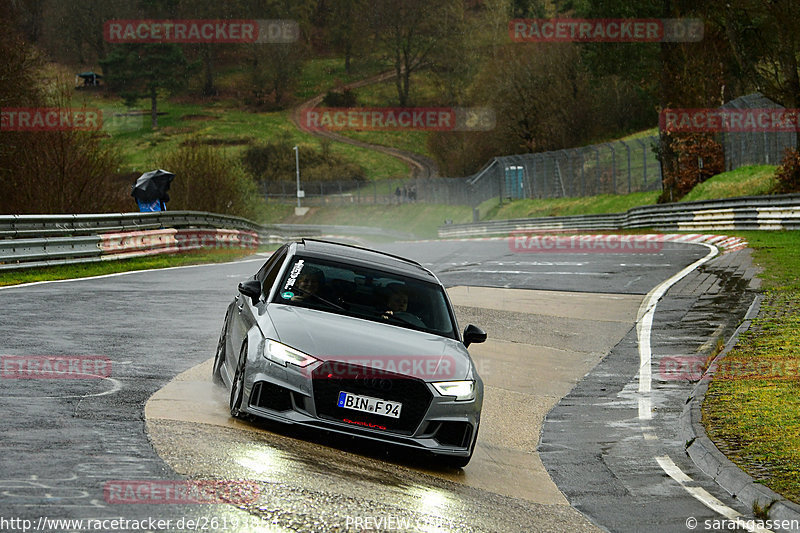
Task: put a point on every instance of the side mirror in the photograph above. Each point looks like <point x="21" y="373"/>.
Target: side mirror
<point x="473" y="334"/>
<point x="252" y="289"/>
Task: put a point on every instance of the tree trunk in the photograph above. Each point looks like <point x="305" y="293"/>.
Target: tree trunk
<point x="398" y="70"/>
<point x="208" y="87"/>
<point x="348" y="52"/>
<point x="153" y="108"/>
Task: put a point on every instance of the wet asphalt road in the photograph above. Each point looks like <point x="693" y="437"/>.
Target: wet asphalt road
<point x="63" y="440"/>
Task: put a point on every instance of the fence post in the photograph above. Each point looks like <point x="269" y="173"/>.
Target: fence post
<point x="613" y="169"/>
<point x="644" y="164"/>
<point x="583" y="177"/>
<point x="628" y="148"/>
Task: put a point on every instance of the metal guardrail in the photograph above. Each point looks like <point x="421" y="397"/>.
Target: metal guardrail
<point x="780" y="212"/>
<point x="44" y="240"/>
<point x="20" y="226"/>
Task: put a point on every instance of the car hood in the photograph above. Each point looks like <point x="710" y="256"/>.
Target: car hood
<point x="332" y="337"/>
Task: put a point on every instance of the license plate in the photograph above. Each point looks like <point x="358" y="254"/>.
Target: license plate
<point x="368" y="404"/>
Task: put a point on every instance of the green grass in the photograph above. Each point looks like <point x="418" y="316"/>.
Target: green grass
<point x="745" y="181"/>
<point x="28" y="275"/>
<point x="322" y="74"/>
<point x="587" y="205"/>
<point x="219" y="124"/>
<point x="754" y="417"/>
<point x="385" y="95"/>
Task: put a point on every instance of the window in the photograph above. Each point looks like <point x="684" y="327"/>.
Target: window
<point x="267" y="274"/>
<point x="368" y="294"/>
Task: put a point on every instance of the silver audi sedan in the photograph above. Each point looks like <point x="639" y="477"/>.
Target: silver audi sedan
<point x="354" y="341"/>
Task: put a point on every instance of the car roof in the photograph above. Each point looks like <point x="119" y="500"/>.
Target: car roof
<point x="347" y="253"/>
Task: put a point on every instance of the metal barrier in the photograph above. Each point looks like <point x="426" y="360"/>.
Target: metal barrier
<point x="781" y="212"/>
<point x="44" y="240"/>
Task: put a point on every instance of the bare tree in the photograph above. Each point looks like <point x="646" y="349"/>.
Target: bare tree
<point x="410" y="31"/>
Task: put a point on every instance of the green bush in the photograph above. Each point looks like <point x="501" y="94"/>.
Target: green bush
<point x="273" y="163"/>
<point x="688" y="159"/>
<point x="208" y="180"/>
<point x="788" y="174"/>
<point x="345" y="98"/>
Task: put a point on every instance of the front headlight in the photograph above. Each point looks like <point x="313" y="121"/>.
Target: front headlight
<point x="282" y="354"/>
<point x="462" y="390"/>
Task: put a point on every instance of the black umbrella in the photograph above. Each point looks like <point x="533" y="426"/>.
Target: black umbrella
<point x="152" y="186"/>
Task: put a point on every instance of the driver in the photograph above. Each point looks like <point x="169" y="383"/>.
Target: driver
<point x="309" y="283"/>
<point x="397" y="305"/>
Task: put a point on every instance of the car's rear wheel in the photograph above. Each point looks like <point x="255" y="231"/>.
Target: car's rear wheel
<point x="237" y="386"/>
<point x="219" y="357"/>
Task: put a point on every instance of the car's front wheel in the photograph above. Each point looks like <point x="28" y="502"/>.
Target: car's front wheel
<point x="219" y="357"/>
<point x="237" y="385"/>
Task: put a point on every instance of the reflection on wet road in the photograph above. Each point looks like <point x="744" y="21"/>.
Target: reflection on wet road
<point x="322" y="482"/>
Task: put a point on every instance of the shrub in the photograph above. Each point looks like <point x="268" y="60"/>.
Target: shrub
<point x="63" y="171"/>
<point x="273" y="163"/>
<point x="345" y="98"/>
<point x="788" y="174"/>
<point x="208" y="180"/>
<point x="688" y="159"/>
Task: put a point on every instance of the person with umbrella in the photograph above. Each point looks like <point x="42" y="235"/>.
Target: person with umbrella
<point x="150" y="190"/>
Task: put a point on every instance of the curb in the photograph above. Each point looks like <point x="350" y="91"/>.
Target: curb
<point x="713" y="462"/>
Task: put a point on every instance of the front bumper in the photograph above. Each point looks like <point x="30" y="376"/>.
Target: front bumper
<point x="307" y="396"/>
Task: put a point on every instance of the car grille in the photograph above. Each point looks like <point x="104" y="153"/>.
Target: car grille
<point x="331" y="378"/>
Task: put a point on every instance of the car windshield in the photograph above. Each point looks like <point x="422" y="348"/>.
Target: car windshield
<point x="367" y="293"/>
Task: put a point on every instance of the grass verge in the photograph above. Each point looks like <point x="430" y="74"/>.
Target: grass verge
<point x="744" y="181"/>
<point x="588" y="205"/>
<point x="752" y="411"/>
<point x="29" y="275"/>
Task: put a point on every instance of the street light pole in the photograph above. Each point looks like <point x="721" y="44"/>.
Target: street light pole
<point x="297" y="164"/>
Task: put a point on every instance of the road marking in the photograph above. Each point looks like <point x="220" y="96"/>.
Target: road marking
<point x="116" y="386"/>
<point x="115" y="274"/>
<point x="644" y="325"/>
<point x="713" y="340"/>
<point x="643" y="328"/>
<point x="702" y="495"/>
